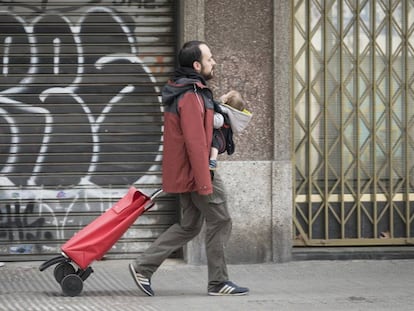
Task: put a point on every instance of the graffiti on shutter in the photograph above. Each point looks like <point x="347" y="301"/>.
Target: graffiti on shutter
<point x="81" y="116"/>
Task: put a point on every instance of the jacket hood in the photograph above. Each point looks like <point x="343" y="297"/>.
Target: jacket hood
<point x="174" y="89"/>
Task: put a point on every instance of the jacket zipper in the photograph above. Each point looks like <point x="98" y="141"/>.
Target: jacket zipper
<point x="198" y="99"/>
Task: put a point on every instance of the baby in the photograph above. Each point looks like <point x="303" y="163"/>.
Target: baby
<point x="230" y="116"/>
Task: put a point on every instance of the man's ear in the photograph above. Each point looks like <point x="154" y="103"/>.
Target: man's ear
<point x="197" y="66"/>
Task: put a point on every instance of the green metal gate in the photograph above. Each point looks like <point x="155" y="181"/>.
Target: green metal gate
<point x="353" y="122"/>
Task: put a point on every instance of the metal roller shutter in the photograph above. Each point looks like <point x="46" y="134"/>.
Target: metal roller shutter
<point x="81" y="119"/>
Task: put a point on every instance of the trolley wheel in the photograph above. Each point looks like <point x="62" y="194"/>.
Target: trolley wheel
<point x="63" y="269"/>
<point x="72" y="285"/>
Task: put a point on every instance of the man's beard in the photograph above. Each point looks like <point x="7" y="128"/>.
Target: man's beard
<point x="207" y="76"/>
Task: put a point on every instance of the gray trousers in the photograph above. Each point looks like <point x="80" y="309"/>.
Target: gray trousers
<point x="195" y="209"/>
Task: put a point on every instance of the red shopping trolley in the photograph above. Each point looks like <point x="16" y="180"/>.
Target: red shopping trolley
<point x="93" y="241"/>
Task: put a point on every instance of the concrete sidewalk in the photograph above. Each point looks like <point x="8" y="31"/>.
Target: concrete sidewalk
<point x="298" y="285"/>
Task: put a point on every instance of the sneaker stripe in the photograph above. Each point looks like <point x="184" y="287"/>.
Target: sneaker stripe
<point x="143" y="280"/>
<point x="226" y="289"/>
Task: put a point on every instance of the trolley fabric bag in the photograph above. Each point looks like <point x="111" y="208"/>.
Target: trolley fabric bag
<point x="93" y="241"/>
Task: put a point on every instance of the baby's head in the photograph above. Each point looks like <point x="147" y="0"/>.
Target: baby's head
<point x="234" y="99"/>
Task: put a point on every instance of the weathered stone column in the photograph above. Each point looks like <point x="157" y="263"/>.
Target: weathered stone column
<point x="282" y="165"/>
<point x="251" y="43"/>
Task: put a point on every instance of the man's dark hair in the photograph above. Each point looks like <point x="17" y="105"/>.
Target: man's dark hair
<point x="190" y="53"/>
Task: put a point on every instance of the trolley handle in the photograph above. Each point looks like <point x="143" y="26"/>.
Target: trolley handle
<point x="153" y="196"/>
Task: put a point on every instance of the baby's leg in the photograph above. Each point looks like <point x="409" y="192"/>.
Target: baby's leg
<point x="213" y="158"/>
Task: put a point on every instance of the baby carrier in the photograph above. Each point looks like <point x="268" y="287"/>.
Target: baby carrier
<point x="235" y="121"/>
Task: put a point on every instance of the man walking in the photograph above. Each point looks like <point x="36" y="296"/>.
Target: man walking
<point x="188" y="129"/>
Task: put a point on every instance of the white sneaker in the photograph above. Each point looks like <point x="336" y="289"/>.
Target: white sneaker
<point x="1" y="264"/>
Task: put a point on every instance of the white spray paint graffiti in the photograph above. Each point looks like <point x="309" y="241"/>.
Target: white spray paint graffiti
<point x="52" y="118"/>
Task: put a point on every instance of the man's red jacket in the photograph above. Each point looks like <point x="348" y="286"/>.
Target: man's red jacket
<point x="188" y="130"/>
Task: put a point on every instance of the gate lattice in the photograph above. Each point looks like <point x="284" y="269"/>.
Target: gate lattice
<point x="353" y="122"/>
